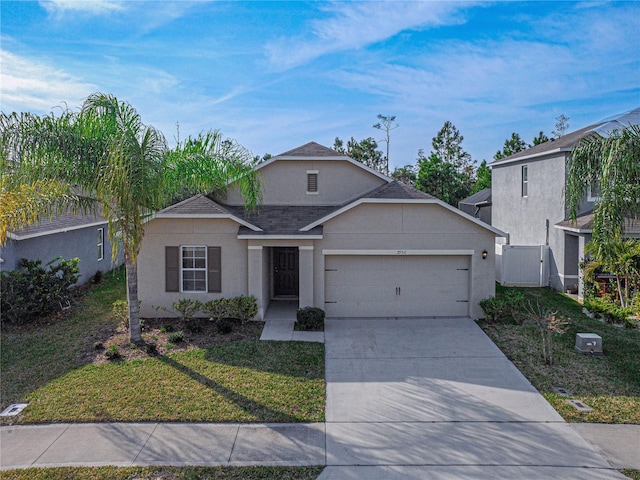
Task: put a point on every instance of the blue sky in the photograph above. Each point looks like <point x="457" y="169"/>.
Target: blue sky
<point x="275" y="75"/>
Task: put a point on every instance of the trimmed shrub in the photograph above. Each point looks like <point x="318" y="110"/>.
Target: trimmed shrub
<point x="243" y="308"/>
<point x="187" y="308"/>
<point x="514" y="304"/>
<point x="310" y="318"/>
<point x="216" y="309"/>
<point x="34" y="291"/>
<point x="494" y="308"/>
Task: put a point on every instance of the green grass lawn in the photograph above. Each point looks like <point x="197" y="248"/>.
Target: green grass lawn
<point x="164" y="473"/>
<point x="33" y="355"/>
<point x="609" y="384"/>
<point x="235" y="381"/>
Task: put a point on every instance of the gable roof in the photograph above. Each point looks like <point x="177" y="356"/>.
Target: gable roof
<point x="201" y="206"/>
<point x="397" y="190"/>
<point x="567" y="142"/>
<point x="311" y="150"/>
<point x="557" y="145"/>
<point x="483" y="196"/>
<point x="314" y="151"/>
<point x="295" y="220"/>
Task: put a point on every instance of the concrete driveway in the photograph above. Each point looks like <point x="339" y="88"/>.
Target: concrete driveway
<point x="435" y="398"/>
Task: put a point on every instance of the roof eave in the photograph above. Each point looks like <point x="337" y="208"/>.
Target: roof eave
<point x="533" y="156"/>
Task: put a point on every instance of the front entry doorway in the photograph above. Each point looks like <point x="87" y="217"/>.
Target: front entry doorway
<point x="285" y="272"/>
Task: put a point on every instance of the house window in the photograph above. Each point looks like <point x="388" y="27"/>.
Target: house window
<point x="312" y="181"/>
<point x="100" y="244"/>
<point x="525" y="180"/>
<point x="194" y="269"/>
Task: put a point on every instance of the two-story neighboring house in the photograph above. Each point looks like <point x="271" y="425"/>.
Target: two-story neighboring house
<point x="66" y="235"/>
<point x="528" y="191"/>
<point x="330" y="233"/>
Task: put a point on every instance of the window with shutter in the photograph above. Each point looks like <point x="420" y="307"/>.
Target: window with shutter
<point x="193" y="269"/>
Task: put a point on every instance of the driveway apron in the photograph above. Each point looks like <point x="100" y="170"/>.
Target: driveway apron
<point x="435" y="398"/>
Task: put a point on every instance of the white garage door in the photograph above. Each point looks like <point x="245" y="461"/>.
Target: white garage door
<point x="396" y="286"/>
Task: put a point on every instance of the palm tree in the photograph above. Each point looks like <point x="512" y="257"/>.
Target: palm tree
<point x="103" y="158"/>
<point x="612" y="163"/>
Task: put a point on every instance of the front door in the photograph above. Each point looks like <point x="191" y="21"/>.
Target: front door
<point x="285" y="272"/>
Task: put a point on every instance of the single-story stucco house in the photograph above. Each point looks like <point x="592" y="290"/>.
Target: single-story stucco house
<point x="330" y="233"/>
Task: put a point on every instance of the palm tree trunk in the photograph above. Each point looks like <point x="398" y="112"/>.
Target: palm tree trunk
<point x="135" y="332"/>
<point x="623" y="302"/>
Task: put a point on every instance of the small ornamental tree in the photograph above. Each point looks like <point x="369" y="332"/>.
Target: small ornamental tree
<point x="548" y="323"/>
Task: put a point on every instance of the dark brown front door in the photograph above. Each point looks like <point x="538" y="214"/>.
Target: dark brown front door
<point x="285" y="272"/>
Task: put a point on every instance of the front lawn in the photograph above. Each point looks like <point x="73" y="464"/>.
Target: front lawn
<point x="609" y="384"/>
<point x="232" y="379"/>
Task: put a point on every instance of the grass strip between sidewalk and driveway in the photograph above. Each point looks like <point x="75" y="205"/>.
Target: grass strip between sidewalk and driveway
<point x="164" y="473"/>
<point x="609" y="384"/>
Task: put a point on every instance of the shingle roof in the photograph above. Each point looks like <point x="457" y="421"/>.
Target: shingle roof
<point x="564" y="143"/>
<point x="567" y="142"/>
<point x="289" y="219"/>
<point x="312" y="149"/>
<point x="478" y="197"/>
<point x="584" y="223"/>
<point x="283" y="219"/>
<point x="397" y="190"/>
<point x="198" y="205"/>
<point x="63" y="221"/>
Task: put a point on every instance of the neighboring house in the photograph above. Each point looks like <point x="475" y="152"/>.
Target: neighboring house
<point x="331" y="233"/>
<point x="528" y="191"/>
<point x="66" y="235"/>
<point x="478" y="205"/>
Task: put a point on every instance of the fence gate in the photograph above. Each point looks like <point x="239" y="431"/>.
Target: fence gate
<point x="522" y="265"/>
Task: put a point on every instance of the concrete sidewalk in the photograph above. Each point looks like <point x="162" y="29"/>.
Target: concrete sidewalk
<point x="177" y="444"/>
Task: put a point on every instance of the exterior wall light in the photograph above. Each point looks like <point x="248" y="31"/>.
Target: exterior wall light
<point x="484" y="254"/>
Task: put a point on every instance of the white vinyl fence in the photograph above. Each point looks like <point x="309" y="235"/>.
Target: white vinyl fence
<point x="522" y="265"/>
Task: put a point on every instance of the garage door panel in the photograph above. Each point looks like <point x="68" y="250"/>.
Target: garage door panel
<point x="360" y="292"/>
<point x="395" y="286"/>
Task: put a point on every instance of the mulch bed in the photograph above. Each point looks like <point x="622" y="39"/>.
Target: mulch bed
<point x="156" y="332"/>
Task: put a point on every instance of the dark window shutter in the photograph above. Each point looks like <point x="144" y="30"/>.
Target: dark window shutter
<point x="214" y="269"/>
<point x="172" y="269"/>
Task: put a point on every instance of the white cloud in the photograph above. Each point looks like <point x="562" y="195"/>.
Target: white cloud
<point x="356" y="25"/>
<point x="30" y="85"/>
<point x="94" y="7"/>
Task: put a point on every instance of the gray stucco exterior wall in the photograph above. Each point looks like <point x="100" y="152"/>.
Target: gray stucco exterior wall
<point x="81" y="243"/>
<point x="531" y="220"/>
